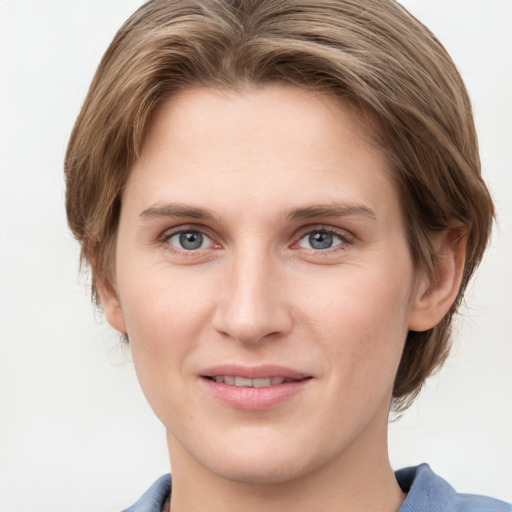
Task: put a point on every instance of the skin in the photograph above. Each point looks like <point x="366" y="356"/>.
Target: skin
<point x="256" y="173"/>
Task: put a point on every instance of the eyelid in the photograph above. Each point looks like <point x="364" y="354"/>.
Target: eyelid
<point x="325" y="228"/>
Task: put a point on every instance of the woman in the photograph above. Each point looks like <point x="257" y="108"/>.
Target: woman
<point x="281" y="204"/>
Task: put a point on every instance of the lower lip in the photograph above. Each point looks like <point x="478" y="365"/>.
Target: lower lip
<point x="255" y="399"/>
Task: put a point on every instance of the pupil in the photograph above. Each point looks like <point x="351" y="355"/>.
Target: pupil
<point x="320" y="240"/>
<point x="191" y="240"/>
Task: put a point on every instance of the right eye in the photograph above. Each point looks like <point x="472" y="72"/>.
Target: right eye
<point x="188" y="240"/>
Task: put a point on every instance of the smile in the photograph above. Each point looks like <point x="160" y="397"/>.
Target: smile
<point x="254" y="388"/>
<point x="249" y="383"/>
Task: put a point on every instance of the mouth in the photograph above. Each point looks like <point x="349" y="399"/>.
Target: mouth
<point x="254" y="388"/>
<point x="244" y="382"/>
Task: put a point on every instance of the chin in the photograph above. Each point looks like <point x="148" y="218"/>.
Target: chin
<point x="260" y="472"/>
<point x="264" y="463"/>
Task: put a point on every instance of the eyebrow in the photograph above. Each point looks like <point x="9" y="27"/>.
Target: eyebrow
<point x="331" y="210"/>
<point x="176" y="210"/>
<point x="179" y="210"/>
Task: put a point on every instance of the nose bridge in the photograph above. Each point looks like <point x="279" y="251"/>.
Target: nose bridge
<point x="252" y="305"/>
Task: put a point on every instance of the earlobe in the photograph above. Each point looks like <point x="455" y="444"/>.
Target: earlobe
<point x="111" y="305"/>
<point x="435" y="294"/>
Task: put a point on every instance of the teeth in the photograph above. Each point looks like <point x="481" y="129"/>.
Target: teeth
<point x="249" y="383"/>
<point x="243" y="382"/>
<point x="261" y="383"/>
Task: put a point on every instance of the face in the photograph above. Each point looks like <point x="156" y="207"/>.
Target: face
<point x="264" y="280"/>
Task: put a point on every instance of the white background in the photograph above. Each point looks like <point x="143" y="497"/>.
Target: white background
<point x="76" y="434"/>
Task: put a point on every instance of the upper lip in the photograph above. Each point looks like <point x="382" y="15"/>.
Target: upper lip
<point x="264" y="371"/>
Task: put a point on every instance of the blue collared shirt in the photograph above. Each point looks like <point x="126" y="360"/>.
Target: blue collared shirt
<point x="426" y="492"/>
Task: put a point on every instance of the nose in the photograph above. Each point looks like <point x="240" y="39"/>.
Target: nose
<point x="252" y="304"/>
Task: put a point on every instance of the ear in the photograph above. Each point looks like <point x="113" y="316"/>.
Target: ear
<point x="435" y="294"/>
<point x="111" y="305"/>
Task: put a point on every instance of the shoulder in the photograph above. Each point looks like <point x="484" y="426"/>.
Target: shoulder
<point x="154" y="498"/>
<point x="427" y="491"/>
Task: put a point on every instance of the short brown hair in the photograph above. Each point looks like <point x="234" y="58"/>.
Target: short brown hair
<point x="370" y="52"/>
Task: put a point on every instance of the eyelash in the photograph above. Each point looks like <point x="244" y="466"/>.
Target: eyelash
<point x="344" y="238"/>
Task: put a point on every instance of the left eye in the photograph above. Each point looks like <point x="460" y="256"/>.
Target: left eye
<point x="189" y="240"/>
<point x="320" y="240"/>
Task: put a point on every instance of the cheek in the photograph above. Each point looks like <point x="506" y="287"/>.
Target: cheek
<point x="164" y="316"/>
<point x="164" y="324"/>
<point x="363" y="326"/>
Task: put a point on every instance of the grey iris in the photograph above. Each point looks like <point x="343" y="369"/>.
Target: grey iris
<point x="191" y="240"/>
<point x="320" y="240"/>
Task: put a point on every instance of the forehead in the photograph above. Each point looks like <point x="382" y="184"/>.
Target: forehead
<point x="275" y="142"/>
<point x="200" y="114"/>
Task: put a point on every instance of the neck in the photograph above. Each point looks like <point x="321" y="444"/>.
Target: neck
<point x="360" y="479"/>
